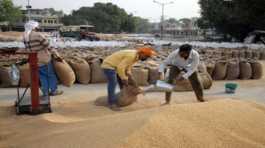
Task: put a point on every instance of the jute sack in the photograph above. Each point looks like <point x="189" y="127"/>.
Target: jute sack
<point x="242" y="54"/>
<point x="210" y="69"/>
<point x="153" y="74"/>
<point x="202" y="67"/>
<point x="233" y="70"/>
<point x="256" y="54"/>
<point x="183" y="85"/>
<point x="128" y="95"/>
<point x="219" y="72"/>
<point x="5" y="77"/>
<point x="81" y="69"/>
<point x="25" y="77"/>
<point x="64" y="72"/>
<point x="262" y="55"/>
<point x="248" y="54"/>
<point x="235" y="54"/>
<point x="206" y="80"/>
<point x="97" y="74"/>
<point x="257" y="71"/>
<point x="140" y="75"/>
<point x="245" y="70"/>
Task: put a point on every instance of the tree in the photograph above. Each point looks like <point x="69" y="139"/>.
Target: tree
<point x="106" y="17"/>
<point x="236" y="18"/>
<point x="9" y="12"/>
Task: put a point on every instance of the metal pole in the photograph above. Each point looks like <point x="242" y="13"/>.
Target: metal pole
<point x="28" y="7"/>
<point x="162" y="16"/>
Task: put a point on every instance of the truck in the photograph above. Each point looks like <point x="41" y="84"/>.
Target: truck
<point x="79" y="32"/>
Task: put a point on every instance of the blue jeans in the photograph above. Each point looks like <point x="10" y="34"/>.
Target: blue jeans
<point x="48" y="79"/>
<point x="112" y="83"/>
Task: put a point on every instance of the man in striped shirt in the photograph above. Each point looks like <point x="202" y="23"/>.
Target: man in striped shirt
<point x="183" y="64"/>
<point x="35" y="41"/>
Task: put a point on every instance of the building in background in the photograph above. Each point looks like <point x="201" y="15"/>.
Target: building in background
<point x="48" y="18"/>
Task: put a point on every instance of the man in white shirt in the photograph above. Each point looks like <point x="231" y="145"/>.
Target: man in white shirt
<point x="183" y="64"/>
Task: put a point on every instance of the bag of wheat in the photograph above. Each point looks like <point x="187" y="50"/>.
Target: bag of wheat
<point x="183" y="85"/>
<point x="219" y="72"/>
<point x="210" y="69"/>
<point x="97" y="74"/>
<point x="235" y="54"/>
<point x="128" y="95"/>
<point x="140" y="75"/>
<point x="5" y="77"/>
<point x="257" y="70"/>
<point x="206" y="80"/>
<point x="245" y="70"/>
<point x="262" y="55"/>
<point x="81" y="69"/>
<point x="256" y="54"/>
<point x="202" y="67"/>
<point x="25" y="77"/>
<point x="153" y="75"/>
<point x="242" y="54"/>
<point x="233" y="70"/>
<point x="64" y="72"/>
<point x="248" y="54"/>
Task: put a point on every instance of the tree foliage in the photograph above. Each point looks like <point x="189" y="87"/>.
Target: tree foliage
<point x="106" y="17"/>
<point x="235" y="18"/>
<point x="9" y="12"/>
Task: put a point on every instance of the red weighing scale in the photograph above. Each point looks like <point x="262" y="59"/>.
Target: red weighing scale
<point x="34" y="104"/>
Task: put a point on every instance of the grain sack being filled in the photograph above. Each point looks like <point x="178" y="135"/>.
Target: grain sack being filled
<point x="153" y="74"/>
<point x="245" y="70"/>
<point x="128" y="95"/>
<point x="24" y="71"/>
<point x="233" y="70"/>
<point x="64" y="72"/>
<point x="219" y="72"/>
<point x="140" y="75"/>
<point x="81" y="69"/>
<point x="257" y="70"/>
<point x="182" y="85"/>
<point x="97" y="74"/>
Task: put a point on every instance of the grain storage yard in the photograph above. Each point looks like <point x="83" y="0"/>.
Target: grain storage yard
<point x="80" y="117"/>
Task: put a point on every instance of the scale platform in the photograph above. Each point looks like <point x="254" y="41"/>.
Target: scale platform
<point x="24" y="106"/>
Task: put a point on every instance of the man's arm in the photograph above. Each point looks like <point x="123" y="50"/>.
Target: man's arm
<point x="123" y="67"/>
<point x="168" y="61"/>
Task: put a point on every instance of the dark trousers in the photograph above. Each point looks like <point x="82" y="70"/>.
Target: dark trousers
<point x="194" y="80"/>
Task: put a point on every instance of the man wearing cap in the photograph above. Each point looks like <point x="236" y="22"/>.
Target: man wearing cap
<point x="35" y="41"/>
<point x="117" y="68"/>
<point x="183" y="64"/>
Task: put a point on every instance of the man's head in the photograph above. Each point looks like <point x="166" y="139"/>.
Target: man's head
<point x="184" y="51"/>
<point x="145" y="53"/>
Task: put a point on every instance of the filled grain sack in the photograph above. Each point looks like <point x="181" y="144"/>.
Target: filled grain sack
<point x="202" y="67"/>
<point x="206" y="80"/>
<point x="64" y="72"/>
<point x="81" y="69"/>
<point x="219" y="72"/>
<point x="210" y="69"/>
<point x="233" y="70"/>
<point x="235" y="54"/>
<point x="262" y="54"/>
<point x="183" y="85"/>
<point x="97" y="74"/>
<point x="128" y="95"/>
<point x="242" y="54"/>
<point x="153" y="74"/>
<point x="248" y="54"/>
<point x="256" y="54"/>
<point x="6" y="79"/>
<point x="140" y="75"/>
<point x="245" y="70"/>
<point x="25" y="76"/>
<point x="257" y="71"/>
